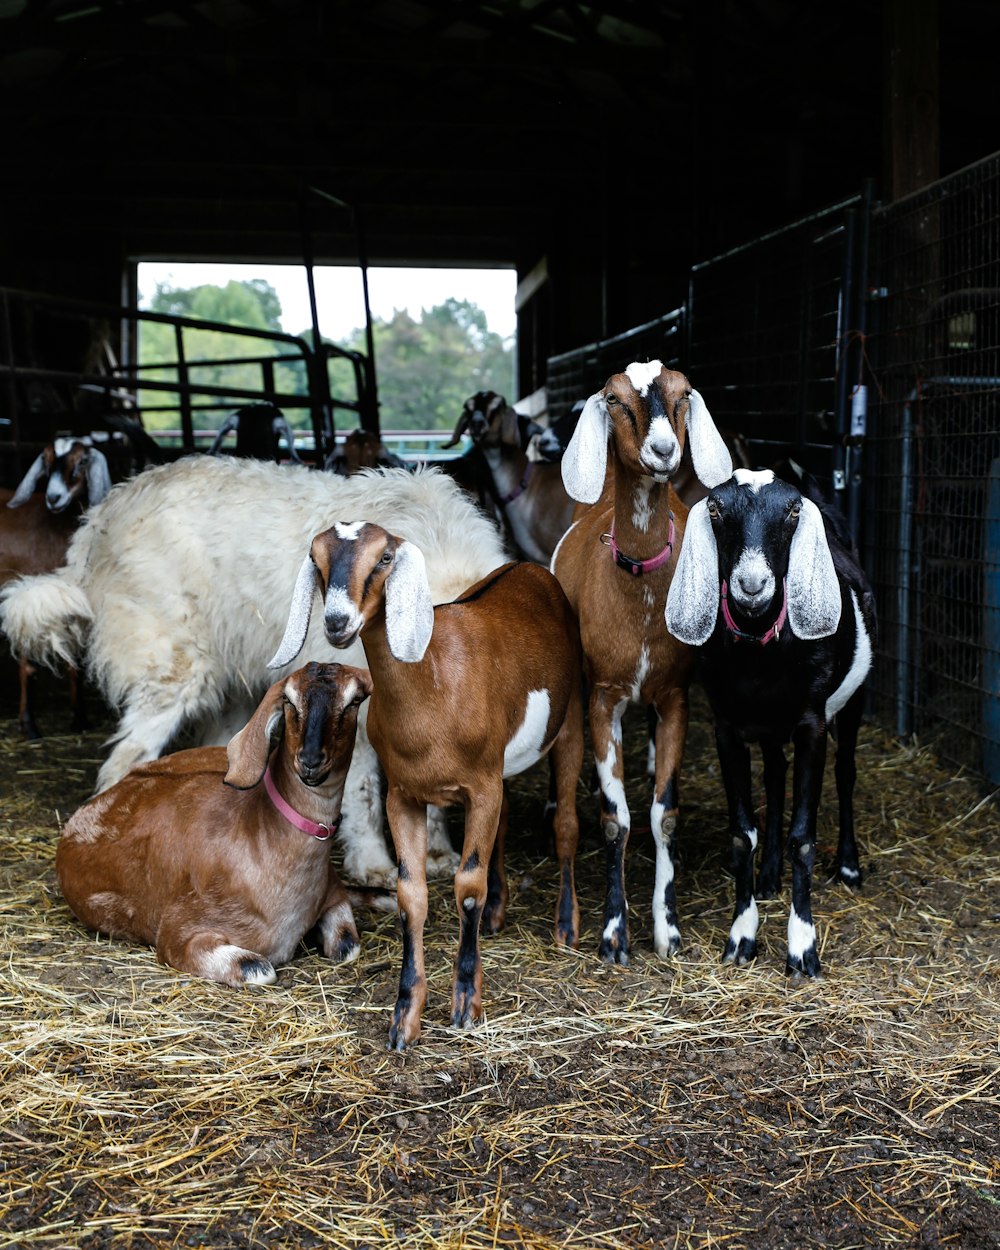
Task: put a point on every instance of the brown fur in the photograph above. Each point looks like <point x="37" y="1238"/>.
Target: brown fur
<point x="215" y="877"/>
<point x="441" y="725"/>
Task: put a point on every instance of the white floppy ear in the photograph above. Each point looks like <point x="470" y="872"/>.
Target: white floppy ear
<point x="409" y="610"/>
<point x="29" y="482"/>
<point x="812" y="585"/>
<point x="98" y="476"/>
<point x="693" y="598"/>
<point x="585" y="460"/>
<point x="710" y="456"/>
<point x="299" y="612"/>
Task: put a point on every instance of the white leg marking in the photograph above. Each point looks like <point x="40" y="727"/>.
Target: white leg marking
<point x="801" y="936"/>
<point x="666" y="935"/>
<point x="611" y="787"/>
<point x="612" y="927"/>
<point x="745" y="925"/>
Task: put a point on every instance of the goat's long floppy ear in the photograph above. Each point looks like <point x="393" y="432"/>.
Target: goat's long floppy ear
<point x="710" y="456"/>
<point x="250" y="749"/>
<point x="510" y="429"/>
<point x="29" y="482"/>
<point x="585" y="460"/>
<point x="812" y="584"/>
<point x="460" y="428"/>
<point x="98" y="476"/>
<point x="693" y="598"/>
<point x="409" y="609"/>
<point x="299" y="612"/>
<point x="283" y="430"/>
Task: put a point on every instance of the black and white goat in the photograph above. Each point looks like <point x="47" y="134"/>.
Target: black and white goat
<point x="769" y="587"/>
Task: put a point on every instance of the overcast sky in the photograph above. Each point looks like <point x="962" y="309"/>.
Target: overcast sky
<point x="339" y="296"/>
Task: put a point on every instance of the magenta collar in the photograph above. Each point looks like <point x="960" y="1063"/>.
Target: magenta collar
<point x="522" y="485"/>
<point x="318" y="831"/>
<point x="765" y="638"/>
<point x="638" y="567"/>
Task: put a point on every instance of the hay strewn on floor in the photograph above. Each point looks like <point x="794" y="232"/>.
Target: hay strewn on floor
<point x="686" y="1105"/>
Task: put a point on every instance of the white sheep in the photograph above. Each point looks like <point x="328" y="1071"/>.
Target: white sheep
<point x="180" y="583"/>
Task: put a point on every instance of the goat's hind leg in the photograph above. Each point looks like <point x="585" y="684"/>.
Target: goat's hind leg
<point x="497" y="893"/>
<point x="671" y="735"/>
<point x="847" y="867"/>
<point x="208" y="953"/>
<point x="482" y="819"/>
<point x="566" y="761"/>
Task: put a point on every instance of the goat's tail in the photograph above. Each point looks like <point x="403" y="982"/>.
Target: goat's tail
<point x="45" y="617"/>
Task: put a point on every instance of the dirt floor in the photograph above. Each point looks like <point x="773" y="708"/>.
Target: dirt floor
<point x="671" y="1105"/>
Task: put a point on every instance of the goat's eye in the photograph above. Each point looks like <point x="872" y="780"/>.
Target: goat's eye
<point x="794" y="510"/>
<point x="611" y="400"/>
<point x="386" y="557"/>
<point x="713" y="510"/>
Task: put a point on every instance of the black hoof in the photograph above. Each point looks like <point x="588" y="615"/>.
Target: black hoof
<point x="743" y="953"/>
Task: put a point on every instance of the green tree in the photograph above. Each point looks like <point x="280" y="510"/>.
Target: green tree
<point x="427" y="369"/>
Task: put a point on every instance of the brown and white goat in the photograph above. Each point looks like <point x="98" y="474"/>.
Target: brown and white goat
<point x="218" y="856"/>
<point x="35" y="531"/>
<point x="615" y="564"/>
<point x="466" y="694"/>
<point x="529" y="495"/>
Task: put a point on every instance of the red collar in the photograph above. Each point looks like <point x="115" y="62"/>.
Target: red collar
<point x="763" y="639"/>
<point x="638" y="567"/>
<point x="318" y="831"/>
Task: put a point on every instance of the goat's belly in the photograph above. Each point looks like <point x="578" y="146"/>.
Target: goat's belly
<point x="530" y="742"/>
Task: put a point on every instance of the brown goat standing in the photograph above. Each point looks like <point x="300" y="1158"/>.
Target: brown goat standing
<point x="615" y="564"/>
<point x="224" y="879"/>
<point x="466" y="694"/>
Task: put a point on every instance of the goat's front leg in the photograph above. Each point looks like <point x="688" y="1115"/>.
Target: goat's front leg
<point x="482" y="817"/>
<point x="606" y="737"/>
<point x="26" y="712"/>
<point x="671" y="734"/>
<point x="566" y="764"/>
<point x="848" y="865"/>
<point x="734" y="764"/>
<point x="408" y="822"/>
<point x="807" y="784"/>
<point x="772" y="850"/>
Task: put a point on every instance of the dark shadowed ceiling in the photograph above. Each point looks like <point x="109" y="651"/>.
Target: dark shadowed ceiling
<point x="628" y="139"/>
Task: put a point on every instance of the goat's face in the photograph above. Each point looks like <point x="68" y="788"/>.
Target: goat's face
<point x="353" y="561"/>
<point x="646" y="407"/>
<point x="320" y="707"/>
<point x="754" y="517"/>
<point x="67" y="464"/>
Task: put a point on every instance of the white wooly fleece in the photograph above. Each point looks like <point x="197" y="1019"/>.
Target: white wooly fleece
<point x="186" y="573"/>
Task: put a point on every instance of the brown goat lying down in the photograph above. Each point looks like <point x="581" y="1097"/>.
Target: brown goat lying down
<point x="224" y="875"/>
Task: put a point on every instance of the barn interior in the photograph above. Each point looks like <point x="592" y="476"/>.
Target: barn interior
<point x="602" y="150"/>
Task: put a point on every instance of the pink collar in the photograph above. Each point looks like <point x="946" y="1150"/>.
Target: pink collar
<point x="763" y="639"/>
<point x="520" y="488"/>
<point x="638" y="567"/>
<point x="321" y="832"/>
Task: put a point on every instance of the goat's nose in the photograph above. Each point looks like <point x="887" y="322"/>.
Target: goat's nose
<point x="751" y="583"/>
<point x="661" y="447"/>
<point x="337" y="623"/>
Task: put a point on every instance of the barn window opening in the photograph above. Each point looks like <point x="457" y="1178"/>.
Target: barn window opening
<point x="439" y="336"/>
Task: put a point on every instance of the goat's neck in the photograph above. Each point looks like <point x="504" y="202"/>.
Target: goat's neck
<point x="642" y="513"/>
<point x="319" y="803"/>
<point x="508" y="466"/>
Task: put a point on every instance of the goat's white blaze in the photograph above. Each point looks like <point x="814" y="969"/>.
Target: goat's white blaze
<point x="754" y="478"/>
<point x="860" y="664"/>
<point x="339" y="603"/>
<point x="528" y="742"/>
<point x="744" y="927"/>
<point x="660" y="451"/>
<point x="642" y="510"/>
<point x="612" y="787"/>
<point x="752" y="569"/>
<point x="801" y="935"/>
<point x="348" y="531"/>
<point x="643" y="374"/>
